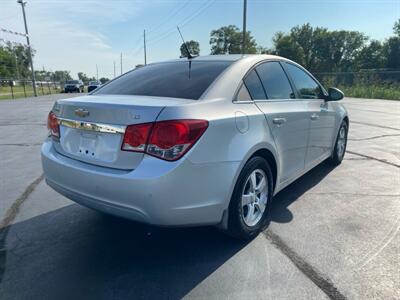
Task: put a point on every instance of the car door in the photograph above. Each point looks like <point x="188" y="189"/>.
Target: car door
<point x="321" y="114"/>
<point x="286" y="116"/>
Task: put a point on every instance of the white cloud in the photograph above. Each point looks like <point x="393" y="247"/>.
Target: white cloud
<point x="67" y="35"/>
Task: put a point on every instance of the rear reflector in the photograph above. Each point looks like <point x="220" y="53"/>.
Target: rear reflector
<point x="52" y="125"/>
<point x="168" y="140"/>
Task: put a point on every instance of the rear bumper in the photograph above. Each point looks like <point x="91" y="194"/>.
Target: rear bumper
<point x="71" y="89"/>
<point x="157" y="192"/>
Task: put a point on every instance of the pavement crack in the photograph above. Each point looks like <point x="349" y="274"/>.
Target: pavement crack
<point x="323" y="282"/>
<point x="376" y="125"/>
<point x="374" y="158"/>
<point x="23" y="124"/>
<point x="10" y="215"/>
<point x="14" y="208"/>
<point x="354" y="194"/>
<point x="374" y="137"/>
<point x="375" y="111"/>
<point x="22" y="144"/>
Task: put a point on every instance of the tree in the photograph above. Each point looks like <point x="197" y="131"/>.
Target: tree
<point x="14" y="61"/>
<point x="391" y="50"/>
<point x="61" y="76"/>
<point x="371" y="56"/>
<point x="104" y="80"/>
<point x="285" y="46"/>
<point x="82" y="76"/>
<point x="319" y="49"/>
<point x="228" y="40"/>
<point x="194" y="48"/>
<point x="396" y="28"/>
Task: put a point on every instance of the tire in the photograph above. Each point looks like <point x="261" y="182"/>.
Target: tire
<point x="340" y="145"/>
<point x="246" y="221"/>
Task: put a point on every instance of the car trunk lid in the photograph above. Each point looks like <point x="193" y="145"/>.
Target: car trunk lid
<point x="92" y="127"/>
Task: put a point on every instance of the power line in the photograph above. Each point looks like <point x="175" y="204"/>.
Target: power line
<point x="13" y="32"/>
<point x="168" y="18"/>
<point x="183" y="24"/>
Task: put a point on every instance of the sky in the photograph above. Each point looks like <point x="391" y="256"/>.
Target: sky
<point x="77" y="35"/>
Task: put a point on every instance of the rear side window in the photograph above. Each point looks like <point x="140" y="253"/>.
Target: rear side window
<point x="275" y="81"/>
<point x="308" y="88"/>
<point x="243" y="94"/>
<point x="181" y="79"/>
<point x="254" y="86"/>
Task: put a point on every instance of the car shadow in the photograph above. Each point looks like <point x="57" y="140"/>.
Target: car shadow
<point x="74" y="252"/>
<point x="280" y="212"/>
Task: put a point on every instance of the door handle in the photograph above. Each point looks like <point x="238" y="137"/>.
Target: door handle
<point x="314" y="117"/>
<point x="278" y="121"/>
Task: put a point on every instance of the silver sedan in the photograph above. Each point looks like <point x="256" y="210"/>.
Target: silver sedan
<point x="201" y="141"/>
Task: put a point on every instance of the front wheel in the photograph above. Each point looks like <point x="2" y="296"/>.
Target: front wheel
<point x="340" y="146"/>
<point x="251" y="199"/>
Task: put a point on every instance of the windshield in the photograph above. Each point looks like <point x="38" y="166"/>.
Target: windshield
<point x="73" y="82"/>
<point x="180" y="79"/>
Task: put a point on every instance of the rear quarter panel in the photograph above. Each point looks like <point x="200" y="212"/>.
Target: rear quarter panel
<point x="236" y="131"/>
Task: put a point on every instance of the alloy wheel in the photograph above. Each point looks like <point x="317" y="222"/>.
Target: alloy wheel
<point x="254" y="197"/>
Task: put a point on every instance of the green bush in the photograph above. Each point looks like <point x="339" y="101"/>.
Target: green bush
<point x="373" y="91"/>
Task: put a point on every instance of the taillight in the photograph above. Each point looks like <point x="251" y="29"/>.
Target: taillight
<point x="52" y="125"/>
<point x="135" y="138"/>
<point x="168" y="140"/>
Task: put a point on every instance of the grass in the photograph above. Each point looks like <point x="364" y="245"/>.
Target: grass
<point x="18" y="91"/>
<point x="372" y="91"/>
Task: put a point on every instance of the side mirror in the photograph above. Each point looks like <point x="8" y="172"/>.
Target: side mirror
<point x="334" y="94"/>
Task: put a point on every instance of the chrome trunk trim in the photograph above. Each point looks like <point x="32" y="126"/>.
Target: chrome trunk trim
<point x="98" y="127"/>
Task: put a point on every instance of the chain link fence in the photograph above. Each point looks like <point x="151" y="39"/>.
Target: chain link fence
<point x="374" y="83"/>
<point x="15" y="88"/>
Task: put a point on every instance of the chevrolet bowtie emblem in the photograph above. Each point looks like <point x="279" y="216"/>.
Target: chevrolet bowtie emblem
<point x="80" y="112"/>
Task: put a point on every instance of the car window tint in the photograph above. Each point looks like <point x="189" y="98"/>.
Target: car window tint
<point x="243" y="94"/>
<point x="181" y="79"/>
<point x="275" y="81"/>
<point x="308" y="88"/>
<point x="254" y="86"/>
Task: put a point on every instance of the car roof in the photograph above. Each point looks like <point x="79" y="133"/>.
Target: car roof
<point x="225" y="57"/>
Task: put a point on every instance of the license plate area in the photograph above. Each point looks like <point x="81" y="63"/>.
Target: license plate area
<point x="91" y="146"/>
<point x="88" y="145"/>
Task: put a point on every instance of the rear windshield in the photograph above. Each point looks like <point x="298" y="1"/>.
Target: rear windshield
<point x="181" y="79"/>
<point x="73" y="81"/>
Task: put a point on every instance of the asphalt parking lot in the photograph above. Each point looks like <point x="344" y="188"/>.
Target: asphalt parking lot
<point x="334" y="233"/>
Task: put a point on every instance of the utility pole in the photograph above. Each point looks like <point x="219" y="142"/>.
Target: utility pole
<point x="16" y="64"/>
<point x="23" y="3"/>
<point x="244" y="26"/>
<point x="97" y="72"/>
<point x="121" y="63"/>
<point x="114" y="68"/>
<point x="144" y="45"/>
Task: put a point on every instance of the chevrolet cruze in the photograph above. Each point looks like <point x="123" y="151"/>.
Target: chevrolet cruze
<point x="201" y="141"/>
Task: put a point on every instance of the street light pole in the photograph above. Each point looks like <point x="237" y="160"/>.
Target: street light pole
<point x="121" y="63"/>
<point x="144" y="47"/>
<point x="23" y="3"/>
<point x="244" y="26"/>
